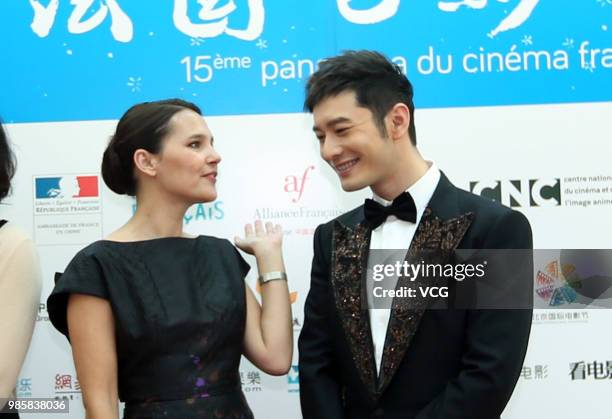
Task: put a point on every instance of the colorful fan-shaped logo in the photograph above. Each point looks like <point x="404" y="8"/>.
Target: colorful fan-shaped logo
<point x="556" y="284"/>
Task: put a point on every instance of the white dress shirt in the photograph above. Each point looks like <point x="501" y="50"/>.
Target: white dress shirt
<point x="397" y="234"/>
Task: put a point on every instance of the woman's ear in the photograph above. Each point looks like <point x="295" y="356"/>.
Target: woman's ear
<point x="146" y="162"/>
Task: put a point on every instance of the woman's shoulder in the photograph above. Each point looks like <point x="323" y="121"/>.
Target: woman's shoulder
<point x="106" y="250"/>
<point x="14" y="238"/>
<point x="109" y="247"/>
<point x="18" y="257"/>
<point x="13" y="232"/>
<point x="91" y="250"/>
<point x="218" y="243"/>
<point x="92" y="257"/>
<point x="212" y="239"/>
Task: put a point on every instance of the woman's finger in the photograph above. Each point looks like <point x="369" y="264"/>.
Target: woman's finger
<point x="258" y="228"/>
<point x="269" y="227"/>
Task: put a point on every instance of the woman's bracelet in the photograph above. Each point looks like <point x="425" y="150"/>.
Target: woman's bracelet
<point x="271" y="276"/>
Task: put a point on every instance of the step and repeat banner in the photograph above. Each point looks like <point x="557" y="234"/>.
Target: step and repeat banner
<point x="514" y="102"/>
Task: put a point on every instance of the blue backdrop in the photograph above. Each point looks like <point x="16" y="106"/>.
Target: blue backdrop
<point x="69" y="60"/>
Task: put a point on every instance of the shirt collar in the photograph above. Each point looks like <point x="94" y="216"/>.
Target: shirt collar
<point x="421" y="191"/>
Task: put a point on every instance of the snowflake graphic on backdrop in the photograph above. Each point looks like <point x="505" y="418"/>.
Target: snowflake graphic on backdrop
<point x="134" y="83"/>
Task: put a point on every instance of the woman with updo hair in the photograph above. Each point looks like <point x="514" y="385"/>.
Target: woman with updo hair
<point x="20" y="282"/>
<point x="159" y="319"/>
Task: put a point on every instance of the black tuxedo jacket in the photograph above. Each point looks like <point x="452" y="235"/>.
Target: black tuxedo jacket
<point x="437" y="364"/>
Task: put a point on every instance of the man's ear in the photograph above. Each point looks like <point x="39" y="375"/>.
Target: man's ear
<point x="146" y="162"/>
<point x="399" y="121"/>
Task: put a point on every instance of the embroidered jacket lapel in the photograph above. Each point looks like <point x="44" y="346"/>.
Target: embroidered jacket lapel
<point x="349" y="263"/>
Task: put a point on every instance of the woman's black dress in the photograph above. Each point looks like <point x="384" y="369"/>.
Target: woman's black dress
<point x="179" y="308"/>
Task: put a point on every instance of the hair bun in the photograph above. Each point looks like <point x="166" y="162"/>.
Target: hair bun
<point x="113" y="171"/>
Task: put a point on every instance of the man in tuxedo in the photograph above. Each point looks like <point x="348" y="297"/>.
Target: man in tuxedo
<point x="361" y="362"/>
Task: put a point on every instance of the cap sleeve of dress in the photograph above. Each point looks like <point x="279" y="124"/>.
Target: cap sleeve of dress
<point x="83" y="275"/>
<point x="242" y="264"/>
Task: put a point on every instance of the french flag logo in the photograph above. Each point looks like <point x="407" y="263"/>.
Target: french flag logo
<point x="67" y="187"/>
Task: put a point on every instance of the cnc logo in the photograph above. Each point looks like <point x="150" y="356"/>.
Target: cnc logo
<point x="295" y="185"/>
<point x="521" y="193"/>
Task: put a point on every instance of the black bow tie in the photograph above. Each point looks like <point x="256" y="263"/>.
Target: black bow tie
<point x="403" y="207"/>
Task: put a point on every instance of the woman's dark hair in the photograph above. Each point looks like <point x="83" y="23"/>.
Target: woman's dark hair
<point x="7" y="164"/>
<point x="143" y="126"/>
